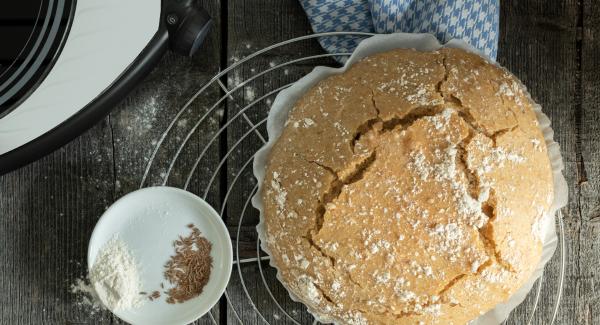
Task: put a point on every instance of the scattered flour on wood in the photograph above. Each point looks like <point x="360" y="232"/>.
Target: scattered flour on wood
<point x="143" y="117"/>
<point x="86" y="295"/>
<point x="249" y="93"/>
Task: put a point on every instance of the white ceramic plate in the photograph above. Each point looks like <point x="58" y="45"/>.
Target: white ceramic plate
<point x="148" y="221"/>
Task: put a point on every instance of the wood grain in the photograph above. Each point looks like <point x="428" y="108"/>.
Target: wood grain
<point x="538" y="43"/>
<point x="139" y="122"/>
<point x="279" y="21"/>
<point x="586" y="254"/>
<point x="49" y="208"/>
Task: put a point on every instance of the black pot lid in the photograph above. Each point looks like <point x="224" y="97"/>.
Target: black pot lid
<point x="32" y="33"/>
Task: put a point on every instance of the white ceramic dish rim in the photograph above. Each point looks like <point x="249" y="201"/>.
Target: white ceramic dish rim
<point x="223" y="233"/>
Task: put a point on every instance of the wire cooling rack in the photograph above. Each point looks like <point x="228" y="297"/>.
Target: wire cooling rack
<point x="233" y="110"/>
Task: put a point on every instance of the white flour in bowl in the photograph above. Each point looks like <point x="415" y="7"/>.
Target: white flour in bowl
<point x="114" y="278"/>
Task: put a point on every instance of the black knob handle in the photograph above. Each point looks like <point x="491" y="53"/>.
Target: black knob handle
<point x="188" y="25"/>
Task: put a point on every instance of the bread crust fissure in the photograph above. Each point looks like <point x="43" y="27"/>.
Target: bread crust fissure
<point x="488" y="206"/>
<point x="334" y="190"/>
<point x="398" y="124"/>
<point x="465" y="112"/>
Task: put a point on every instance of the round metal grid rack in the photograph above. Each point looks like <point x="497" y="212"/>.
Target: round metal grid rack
<point x="254" y="296"/>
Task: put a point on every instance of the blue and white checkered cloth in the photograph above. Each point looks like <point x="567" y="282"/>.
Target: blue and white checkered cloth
<point x="474" y="21"/>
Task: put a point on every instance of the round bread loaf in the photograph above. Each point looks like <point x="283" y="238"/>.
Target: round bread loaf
<point x="408" y="190"/>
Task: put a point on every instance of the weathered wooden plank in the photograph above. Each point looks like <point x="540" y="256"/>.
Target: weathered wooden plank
<point x="253" y="25"/>
<point x="587" y="298"/>
<point x="47" y="212"/>
<point x="140" y="121"/>
<point x="539" y="44"/>
<point x="280" y="21"/>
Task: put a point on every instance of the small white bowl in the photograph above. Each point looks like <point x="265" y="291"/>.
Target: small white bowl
<point x="148" y="221"/>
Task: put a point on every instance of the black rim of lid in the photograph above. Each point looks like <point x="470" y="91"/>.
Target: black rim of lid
<point x="49" y="25"/>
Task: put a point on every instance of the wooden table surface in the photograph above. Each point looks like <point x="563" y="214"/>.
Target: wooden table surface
<point x="49" y="208"/>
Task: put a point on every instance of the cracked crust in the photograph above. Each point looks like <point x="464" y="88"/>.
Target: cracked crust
<point x="407" y="189"/>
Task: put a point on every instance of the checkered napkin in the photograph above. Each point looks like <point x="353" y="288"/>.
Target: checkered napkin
<point x="474" y="21"/>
